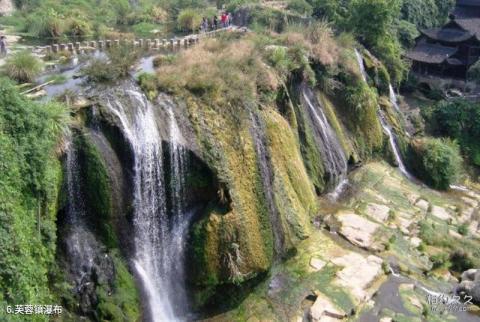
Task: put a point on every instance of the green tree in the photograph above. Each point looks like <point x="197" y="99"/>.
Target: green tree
<point x="437" y="161"/>
<point x="372" y="20"/>
<point x="459" y="120"/>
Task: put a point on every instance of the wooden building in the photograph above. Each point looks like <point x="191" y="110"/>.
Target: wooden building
<point x="449" y="51"/>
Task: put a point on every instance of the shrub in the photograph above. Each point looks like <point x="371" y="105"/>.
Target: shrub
<point x="300" y="6"/>
<point x="474" y="72"/>
<point x="163" y="60"/>
<point x="407" y="33"/>
<point x="189" y="20"/>
<point x="144" y="28"/>
<point x="78" y="28"/>
<point x="48" y="23"/>
<point x="117" y="65"/>
<point x="148" y="83"/>
<point x="463" y="229"/>
<point x="458" y="120"/>
<point x="461" y="261"/>
<point x="23" y="67"/>
<point x="437" y="161"/>
<point x="440" y="260"/>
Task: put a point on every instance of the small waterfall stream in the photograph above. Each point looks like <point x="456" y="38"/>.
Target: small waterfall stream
<point x="333" y="155"/>
<point x="266" y="172"/>
<point x="79" y="240"/>
<point x="393" y="98"/>
<point x="383" y="121"/>
<point x="159" y="238"/>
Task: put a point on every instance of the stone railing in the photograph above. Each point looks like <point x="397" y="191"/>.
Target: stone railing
<point x="173" y="44"/>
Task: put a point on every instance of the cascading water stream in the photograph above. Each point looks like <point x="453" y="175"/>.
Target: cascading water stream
<point x="159" y="238"/>
<point x="334" y="157"/>
<point x="80" y="242"/>
<point x="394" y="146"/>
<point x="266" y="172"/>
<point x="361" y="65"/>
<point x="393" y="98"/>
<point x="383" y="121"/>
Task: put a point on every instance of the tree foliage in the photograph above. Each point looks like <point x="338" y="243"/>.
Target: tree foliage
<point x="436" y="161"/>
<point x="459" y="120"/>
<point x="31" y="174"/>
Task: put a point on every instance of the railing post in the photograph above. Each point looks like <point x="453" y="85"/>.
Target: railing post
<point x="171" y="44"/>
<point x="100" y="44"/>
<point x="117" y="42"/>
<point x="55" y="48"/>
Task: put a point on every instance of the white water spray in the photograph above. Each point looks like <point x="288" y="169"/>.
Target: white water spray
<point x="333" y="154"/>
<point x="159" y="239"/>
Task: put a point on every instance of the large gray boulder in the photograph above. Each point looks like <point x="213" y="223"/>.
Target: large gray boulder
<point x="470" y="285"/>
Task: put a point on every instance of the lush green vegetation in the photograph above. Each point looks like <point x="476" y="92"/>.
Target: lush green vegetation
<point x="116" y="65"/>
<point x="436" y="161"/>
<point x="23" y="67"/>
<point x="91" y="18"/>
<point x="30" y="138"/>
<point x="459" y="120"/>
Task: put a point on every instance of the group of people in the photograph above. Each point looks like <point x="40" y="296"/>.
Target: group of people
<point x="3" y="46"/>
<point x="215" y="23"/>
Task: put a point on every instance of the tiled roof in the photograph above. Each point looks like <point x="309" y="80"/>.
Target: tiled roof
<point x="447" y="34"/>
<point x="471" y="24"/>
<point x="430" y="53"/>
<point x="473" y="3"/>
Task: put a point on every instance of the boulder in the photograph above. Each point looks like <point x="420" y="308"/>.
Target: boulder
<point x="358" y="273"/>
<point x="324" y="310"/>
<point x="440" y="213"/>
<point x="470" y="285"/>
<point x="378" y="212"/>
<point x="454" y="234"/>
<point x="358" y="230"/>
<point x="316" y="263"/>
<point x="422" y="204"/>
<point x="415" y="242"/>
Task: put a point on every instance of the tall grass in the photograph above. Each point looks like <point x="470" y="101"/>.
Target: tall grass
<point x="23" y="67"/>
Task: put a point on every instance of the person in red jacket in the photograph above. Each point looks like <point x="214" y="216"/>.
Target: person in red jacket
<point x="224" y="20"/>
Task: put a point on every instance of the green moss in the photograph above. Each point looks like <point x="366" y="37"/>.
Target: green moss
<point x="123" y="303"/>
<point x="311" y="155"/>
<point x="293" y="191"/>
<point x="96" y="188"/>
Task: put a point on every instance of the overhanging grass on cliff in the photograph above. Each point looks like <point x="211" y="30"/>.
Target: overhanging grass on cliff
<point x="29" y="185"/>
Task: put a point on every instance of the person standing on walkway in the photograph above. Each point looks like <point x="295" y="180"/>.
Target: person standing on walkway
<point x="204" y="26"/>
<point x="3" y="46"/>
<point x="215" y="23"/>
<point x="230" y="18"/>
<point x="223" y="19"/>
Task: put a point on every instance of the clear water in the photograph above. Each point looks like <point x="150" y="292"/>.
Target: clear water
<point x="334" y="158"/>
<point x="159" y="238"/>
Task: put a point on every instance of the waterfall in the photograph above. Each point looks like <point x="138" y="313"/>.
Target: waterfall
<point x="159" y="238"/>
<point x="393" y="144"/>
<point x="361" y="65"/>
<point x="383" y="121"/>
<point x="81" y="245"/>
<point x="266" y="172"/>
<point x="333" y="155"/>
<point x="393" y="98"/>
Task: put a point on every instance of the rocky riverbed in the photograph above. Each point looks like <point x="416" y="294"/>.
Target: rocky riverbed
<point x="366" y="260"/>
